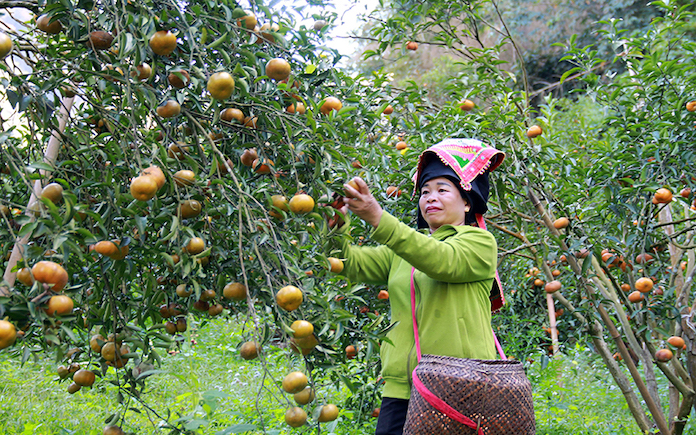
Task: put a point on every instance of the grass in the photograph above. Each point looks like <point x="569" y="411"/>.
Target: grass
<point x="214" y="392"/>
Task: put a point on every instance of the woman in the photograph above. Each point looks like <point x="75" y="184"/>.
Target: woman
<point x="455" y="277"/>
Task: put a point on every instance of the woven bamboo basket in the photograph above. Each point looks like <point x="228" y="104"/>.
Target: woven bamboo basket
<point x="495" y="394"/>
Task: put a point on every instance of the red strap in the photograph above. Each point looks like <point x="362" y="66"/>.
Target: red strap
<point x="442" y="406"/>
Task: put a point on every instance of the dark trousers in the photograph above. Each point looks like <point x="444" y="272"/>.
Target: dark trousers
<point x="392" y="416"/>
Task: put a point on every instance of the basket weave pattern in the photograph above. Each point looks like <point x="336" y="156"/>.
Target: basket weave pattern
<point x="494" y="393"/>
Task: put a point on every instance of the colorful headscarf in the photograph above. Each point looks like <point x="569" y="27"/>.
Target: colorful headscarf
<point x="471" y="160"/>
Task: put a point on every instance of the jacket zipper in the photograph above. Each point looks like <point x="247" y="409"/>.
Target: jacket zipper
<point x="413" y="346"/>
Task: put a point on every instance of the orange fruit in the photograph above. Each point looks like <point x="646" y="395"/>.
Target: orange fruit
<point x="96" y="342"/>
<point x="143" y="187"/>
<point x="552" y="287"/>
<point x="142" y="72"/>
<point x="393" y="191"/>
<point x="401" y="145"/>
<point x="301" y="204"/>
<point x="289" y="298"/>
<point x="534" y="131"/>
<point x="179" y="78"/>
<point x="351" y="351"/>
<point x="561" y="223"/>
<point x="249" y="350"/>
<point x="329" y="104"/>
<point x="302" y="328"/>
<point x="45" y="24"/>
<point x="538" y="282"/>
<point x="636" y="297"/>
<point x="100" y="40"/>
<point x="296" y="107"/>
<point x="412" y="45"/>
<point x="388" y="110"/>
<point x="8" y="334"/>
<point x="220" y="85"/>
<point x="111" y="249"/>
<point x="53" y="192"/>
<point x="644" y="285"/>
<point x="335" y="265"/>
<point x="156" y="173"/>
<point x="328" y="413"/>
<point x="663" y="196"/>
<point x="278" y="69"/>
<point x="663" y="355"/>
<point x="383" y="295"/>
<point x="184" y="177"/>
<point x="467" y="105"/>
<point x="625" y="287"/>
<point x="691" y="106"/>
<point x="250" y="121"/>
<point x="177" y="150"/>
<point x="49" y="272"/>
<point x="295" y="417"/>
<point x="232" y="113"/>
<point x="24" y="276"/>
<point x="59" y="305"/>
<point x="305" y="396"/>
<point x="555" y="273"/>
<point x="235" y="290"/>
<point x="84" y="378"/>
<point x="113" y="430"/>
<point x="169" y="109"/>
<point x="262" y="166"/>
<point x="195" y="246"/>
<point x="294" y="382"/>
<point x="677" y="342"/>
<point x="248" y="21"/>
<point x="643" y="258"/>
<point x="163" y="42"/>
<point x="189" y="208"/>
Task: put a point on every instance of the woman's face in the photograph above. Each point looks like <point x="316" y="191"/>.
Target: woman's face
<point x="441" y="203"/>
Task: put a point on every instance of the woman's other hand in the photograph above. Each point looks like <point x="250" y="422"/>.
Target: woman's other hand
<point x="361" y="202"/>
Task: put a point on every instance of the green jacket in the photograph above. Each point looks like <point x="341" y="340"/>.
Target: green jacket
<point x="455" y="268"/>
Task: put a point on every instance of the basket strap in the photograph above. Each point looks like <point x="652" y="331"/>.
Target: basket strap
<point x="415" y="323"/>
<point x="442" y="406"/>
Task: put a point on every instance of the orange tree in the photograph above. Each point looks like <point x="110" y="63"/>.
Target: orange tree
<point x="617" y="163"/>
<point x="177" y="164"/>
<point x="172" y="161"/>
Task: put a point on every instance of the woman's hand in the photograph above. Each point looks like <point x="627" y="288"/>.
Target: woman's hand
<point x="361" y="202"/>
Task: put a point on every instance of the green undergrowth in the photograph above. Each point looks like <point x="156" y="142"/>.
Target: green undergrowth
<point x="215" y="392"/>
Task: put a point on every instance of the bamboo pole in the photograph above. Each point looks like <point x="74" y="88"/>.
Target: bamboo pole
<point x="50" y="156"/>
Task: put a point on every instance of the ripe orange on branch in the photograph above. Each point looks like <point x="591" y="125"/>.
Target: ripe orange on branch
<point x="289" y="298"/>
<point x="179" y="79"/>
<point x="412" y="45"/>
<point x="232" y="113"/>
<point x="189" y="208"/>
<point x="295" y="382"/>
<point x="8" y="334"/>
<point x="295" y="416"/>
<point x="5" y="45"/>
<point x="249" y="350"/>
<point x="644" y="285"/>
<point x="100" y="40"/>
<point x="59" y="305"/>
<point x="676" y="341"/>
<point x="50" y="273"/>
<point x="220" y="85"/>
<point x="156" y="173"/>
<point x="534" y="131"/>
<point x="328" y="413"/>
<point x="329" y="104"/>
<point x="302" y="328"/>
<point x="195" y="246"/>
<point x="278" y="69"/>
<point x="45" y="24"/>
<point x="301" y="203"/>
<point x="553" y="286"/>
<point x="184" y="177"/>
<point x="143" y="187"/>
<point x="53" y="192"/>
<point x="561" y="223"/>
<point x="305" y="396"/>
<point x="169" y="109"/>
<point x="163" y="42"/>
<point x="663" y="196"/>
<point x="335" y="265"/>
<point x="235" y="290"/>
<point x="467" y="105"/>
<point x="663" y="355"/>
